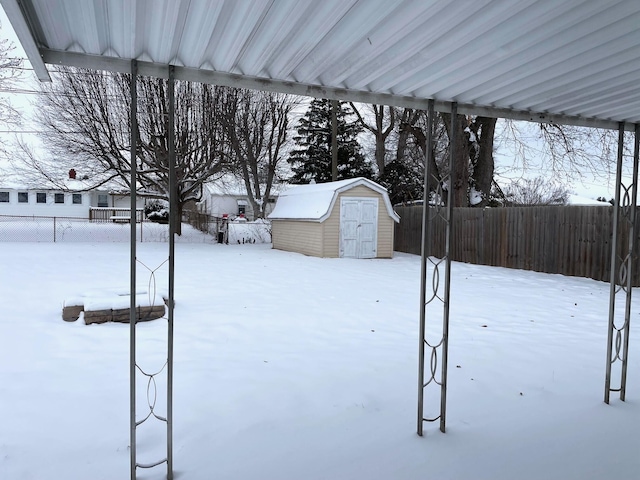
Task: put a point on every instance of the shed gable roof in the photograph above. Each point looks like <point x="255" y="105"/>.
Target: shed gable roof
<point x="314" y="202"/>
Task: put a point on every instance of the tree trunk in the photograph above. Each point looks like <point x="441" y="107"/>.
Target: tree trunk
<point x="421" y="139"/>
<point x="380" y="152"/>
<point x="178" y="219"/>
<point x="483" y="166"/>
<point x="460" y="159"/>
<point x="379" y="132"/>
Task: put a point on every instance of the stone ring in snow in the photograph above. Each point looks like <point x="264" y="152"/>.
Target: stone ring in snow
<point x="113" y="306"/>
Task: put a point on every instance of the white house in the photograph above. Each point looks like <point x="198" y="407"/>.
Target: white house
<point x="228" y="196"/>
<point x="76" y="199"/>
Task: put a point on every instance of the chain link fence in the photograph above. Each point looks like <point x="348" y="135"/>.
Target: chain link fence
<point x="68" y="229"/>
<point x="227" y="231"/>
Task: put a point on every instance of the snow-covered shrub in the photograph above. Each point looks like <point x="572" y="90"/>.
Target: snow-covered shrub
<point x="157" y="211"/>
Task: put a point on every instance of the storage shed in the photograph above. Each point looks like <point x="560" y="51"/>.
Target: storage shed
<point x="349" y="218"/>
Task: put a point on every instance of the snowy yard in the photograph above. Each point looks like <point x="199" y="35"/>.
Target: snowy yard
<point x="293" y="367"/>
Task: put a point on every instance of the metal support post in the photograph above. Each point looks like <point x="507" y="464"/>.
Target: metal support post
<point x="173" y="223"/>
<point x="134" y="367"/>
<point x="334" y="140"/>
<point x="439" y="295"/>
<point x="624" y="220"/>
<point x="132" y="267"/>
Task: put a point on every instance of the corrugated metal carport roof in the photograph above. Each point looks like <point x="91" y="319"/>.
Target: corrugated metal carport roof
<point x="568" y="61"/>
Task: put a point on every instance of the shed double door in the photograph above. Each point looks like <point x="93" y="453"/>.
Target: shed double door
<point x="358" y="227"/>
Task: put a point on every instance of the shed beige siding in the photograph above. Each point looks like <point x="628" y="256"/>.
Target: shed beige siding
<point x="386" y="230"/>
<point x="331" y="233"/>
<point x="297" y="236"/>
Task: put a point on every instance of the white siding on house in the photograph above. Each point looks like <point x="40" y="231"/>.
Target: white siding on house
<point x="124" y="201"/>
<point x="66" y="209"/>
<point x="218" y="205"/>
<point x="115" y="201"/>
<point x="48" y="209"/>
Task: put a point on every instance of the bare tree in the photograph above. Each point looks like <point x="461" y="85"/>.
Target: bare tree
<point x="85" y="117"/>
<point x="536" y="191"/>
<point x="10" y="73"/>
<point x="256" y="127"/>
<point x="411" y="147"/>
<point x="567" y="152"/>
<point x="381" y="127"/>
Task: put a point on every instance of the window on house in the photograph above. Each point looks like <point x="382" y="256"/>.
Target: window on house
<point x="4" y="197"/>
<point x="102" y="200"/>
<point x="41" y="198"/>
<point x="242" y="206"/>
<point x="76" y="199"/>
<point x="23" y="197"/>
<point x="58" y="197"/>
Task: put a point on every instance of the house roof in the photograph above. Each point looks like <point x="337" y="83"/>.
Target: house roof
<point x="573" y="62"/>
<point x="20" y="180"/>
<point x="314" y="202"/>
<point x="14" y="182"/>
<point x="231" y="185"/>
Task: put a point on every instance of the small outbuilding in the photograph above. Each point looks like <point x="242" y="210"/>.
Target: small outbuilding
<point x="348" y="218"/>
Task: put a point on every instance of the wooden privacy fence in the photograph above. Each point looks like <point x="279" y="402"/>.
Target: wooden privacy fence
<point x="569" y="240"/>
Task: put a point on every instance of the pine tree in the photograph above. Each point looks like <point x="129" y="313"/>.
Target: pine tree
<point x="312" y="159"/>
<point x="404" y="183"/>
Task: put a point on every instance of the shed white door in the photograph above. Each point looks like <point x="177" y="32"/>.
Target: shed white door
<point x="358" y="227"/>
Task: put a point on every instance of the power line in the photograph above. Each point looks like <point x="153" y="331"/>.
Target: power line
<point x="26" y="131"/>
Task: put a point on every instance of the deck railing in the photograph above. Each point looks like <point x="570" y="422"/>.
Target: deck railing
<point x="114" y="214"/>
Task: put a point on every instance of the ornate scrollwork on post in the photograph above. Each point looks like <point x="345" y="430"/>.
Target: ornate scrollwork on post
<point x="152" y="377"/>
<point x="434" y="294"/>
<point x="624" y="220"/>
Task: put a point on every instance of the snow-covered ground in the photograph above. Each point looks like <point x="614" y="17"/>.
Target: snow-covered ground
<point x="292" y="367"/>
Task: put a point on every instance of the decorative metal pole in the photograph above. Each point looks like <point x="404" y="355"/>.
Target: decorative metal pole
<point x="334" y="140"/>
<point x="134" y="365"/>
<point x="453" y="146"/>
<point x="132" y="267"/>
<point x="426" y="242"/>
<point x="444" y="211"/>
<point x="173" y="223"/>
<point x="624" y="216"/>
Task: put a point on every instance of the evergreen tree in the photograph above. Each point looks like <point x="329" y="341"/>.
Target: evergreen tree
<point x="404" y="183"/>
<point x="311" y="160"/>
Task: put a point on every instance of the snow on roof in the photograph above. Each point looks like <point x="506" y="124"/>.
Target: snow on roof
<point x="18" y="180"/>
<point x="232" y="185"/>
<point x="314" y="202"/>
<point x="43" y="184"/>
<point x="579" y="200"/>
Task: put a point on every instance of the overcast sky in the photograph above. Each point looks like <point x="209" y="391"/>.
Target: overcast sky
<point x="22" y="101"/>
